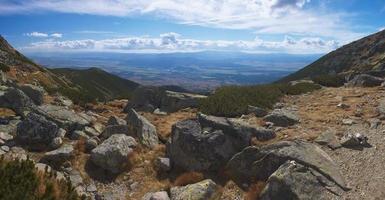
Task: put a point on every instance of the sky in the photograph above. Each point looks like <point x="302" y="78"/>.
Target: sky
<point x="151" y="26"/>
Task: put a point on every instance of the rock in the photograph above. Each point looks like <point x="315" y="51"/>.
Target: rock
<point x="4" y="148"/>
<point x="281" y="117"/>
<point x="134" y="186"/>
<point x="91" y="131"/>
<point x="36" y="93"/>
<point x="16" y="100"/>
<point x="112" y="154"/>
<point x="98" y="127"/>
<point x="328" y="138"/>
<point x="75" y="178"/>
<point x="162" y="195"/>
<point x="348" y="122"/>
<point x="56" y="142"/>
<point x="36" y="131"/>
<point x="59" y="156"/>
<point x="91" y="143"/>
<point x="16" y="153"/>
<point x="257" y="111"/>
<point x="158" y="112"/>
<point x="295" y="181"/>
<point x="206" y="146"/>
<point x="343" y="106"/>
<point x="255" y="163"/>
<point x="91" y="188"/>
<point x="350" y="140"/>
<point x="204" y="190"/>
<point x="148" y="98"/>
<point x="365" y="80"/>
<point x="235" y="127"/>
<point x="41" y="167"/>
<point x="375" y="123"/>
<point x="163" y="164"/>
<point x="145" y="98"/>
<point x="5" y="136"/>
<point x="114" y="120"/>
<point x="61" y="133"/>
<point x="115" y="129"/>
<point x="62" y="101"/>
<point x="174" y="101"/>
<point x="79" y="135"/>
<point x="141" y="128"/>
<point x="64" y="117"/>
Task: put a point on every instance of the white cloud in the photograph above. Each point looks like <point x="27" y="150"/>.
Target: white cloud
<point x="173" y="42"/>
<point x="57" y="35"/>
<point x="261" y="16"/>
<point x="44" y="35"/>
<point x="37" y="34"/>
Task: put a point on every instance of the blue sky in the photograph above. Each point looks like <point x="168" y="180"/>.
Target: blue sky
<point x="261" y="26"/>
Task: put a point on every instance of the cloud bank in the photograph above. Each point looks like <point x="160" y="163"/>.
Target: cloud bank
<point x="173" y="42"/>
<point x="261" y="16"/>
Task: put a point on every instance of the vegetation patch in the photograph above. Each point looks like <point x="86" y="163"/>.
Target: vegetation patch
<point x="232" y="101"/>
<point x="20" y="180"/>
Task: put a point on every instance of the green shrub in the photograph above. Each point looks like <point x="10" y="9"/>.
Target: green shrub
<point x="329" y="80"/>
<point x="232" y="101"/>
<point x="4" y="67"/>
<point x="19" y="180"/>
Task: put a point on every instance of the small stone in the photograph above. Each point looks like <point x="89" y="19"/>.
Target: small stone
<point x="91" y="131"/>
<point x="91" y="188"/>
<point x="114" y="120"/>
<point x="5" y="136"/>
<point x="163" y="164"/>
<point x="329" y="139"/>
<point x="91" y="143"/>
<point x="343" y="106"/>
<point x="158" y="112"/>
<point x="259" y="112"/>
<point x="79" y="135"/>
<point x="56" y="142"/>
<point x="61" y="133"/>
<point x="354" y="140"/>
<point x="134" y="186"/>
<point x="4" y="148"/>
<point x="348" y="122"/>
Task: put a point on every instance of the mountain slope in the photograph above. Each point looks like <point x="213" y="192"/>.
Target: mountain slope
<point x="98" y="83"/>
<point x="361" y="56"/>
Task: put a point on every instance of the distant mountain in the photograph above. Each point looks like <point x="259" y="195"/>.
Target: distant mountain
<point x="366" y="55"/>
<point x="98" y="83"/>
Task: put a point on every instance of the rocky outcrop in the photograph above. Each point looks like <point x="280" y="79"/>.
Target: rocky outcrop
<point x="36" y="131"/>
<point x="148" y="98"/>
<point x="174" y="101"/>
<point x="204" y="190"/>
<point x="64" y="117"/>
<point x="112" y="154"/>
<point x="293" y="180"/>
<point x="142" y="129"/>
<point x="208" y="143"/>
<point x="257" y="111"/>
<point x="58" y="157"/>
<point x="282" y="118"/>
<point x="235" y="127"/>
<point x="36" y="93"/>
<point x="16" y="100"/>
<point x="255" y="163"/>
<point x="365" y="80"/>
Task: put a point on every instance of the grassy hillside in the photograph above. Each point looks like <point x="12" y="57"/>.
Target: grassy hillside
<point x="98" y="84"/>
<point x="364" y="55"/>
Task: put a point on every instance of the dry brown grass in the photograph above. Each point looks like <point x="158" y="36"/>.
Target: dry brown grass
<point x="5" y="112"/>
<point x="188" y="178"/>
<point x="254" y="191"/>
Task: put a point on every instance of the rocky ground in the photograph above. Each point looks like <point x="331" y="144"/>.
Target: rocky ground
<point x="327" y="144"/>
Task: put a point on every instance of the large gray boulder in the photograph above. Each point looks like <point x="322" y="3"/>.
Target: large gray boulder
<point x="36" y="131"/>
<point x="203" y="190"/>
<point x="174" y="101"/>
<point x="149" y="98"/>
<point x="282" y="117"/>
<point x="257" y="111"/>
<point x="36" y="93"/>
<point x="142" y="129"/>
<point x="16" y="100"/>
<point x="236" y="127"/>
<point x="255" y="163"/>
<point x="112" y="154"/>
<point x="58" y="157"/>
<point x="64" y="117"/>
<point x="207" y="146"/>
<point x="114" y="129"/>
<point x="365" y="80"/>
<point x="293" y="180"/>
